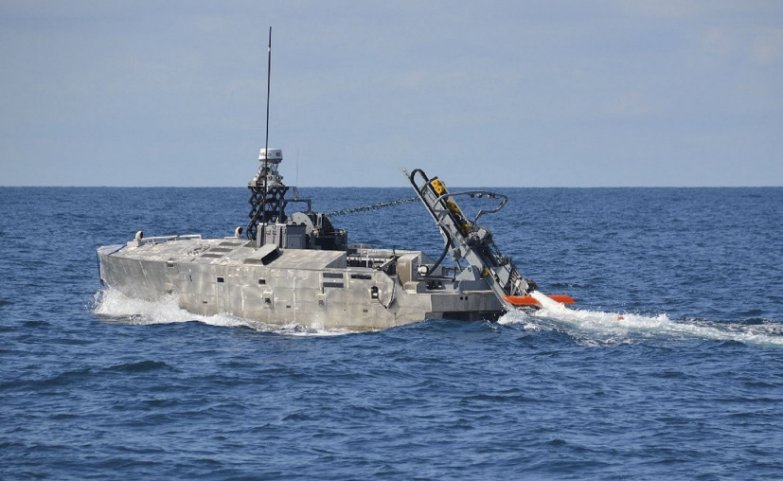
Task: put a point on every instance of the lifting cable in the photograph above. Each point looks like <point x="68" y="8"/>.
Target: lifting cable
<point x="371" y="207"/>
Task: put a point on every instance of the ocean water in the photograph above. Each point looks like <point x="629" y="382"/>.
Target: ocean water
<point x="670" y="366"/>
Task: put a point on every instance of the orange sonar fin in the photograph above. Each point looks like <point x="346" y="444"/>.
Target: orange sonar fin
<point x="531" y="301"/>
<point x="522" y="301"/>
<point x="562" y="298"/>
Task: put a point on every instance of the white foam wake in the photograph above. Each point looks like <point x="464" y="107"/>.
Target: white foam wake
<point x="618" y="327"/>
<point x="114" y="305"/>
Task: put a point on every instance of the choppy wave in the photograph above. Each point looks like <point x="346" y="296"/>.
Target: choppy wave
<point x="567" y="394"/>
<point x="618" y="327"/>
<point x="112" y="304"/>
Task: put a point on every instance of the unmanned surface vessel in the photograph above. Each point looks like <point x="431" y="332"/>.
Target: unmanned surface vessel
<point x="300" y="270"/>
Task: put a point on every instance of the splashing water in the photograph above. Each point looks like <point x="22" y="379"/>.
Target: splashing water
<point x="114" y="305"/>
<point x="613" y="326"/>
<point x="588" y="326"/>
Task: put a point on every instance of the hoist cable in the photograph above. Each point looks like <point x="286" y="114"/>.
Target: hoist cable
<point x="371" y="207"/>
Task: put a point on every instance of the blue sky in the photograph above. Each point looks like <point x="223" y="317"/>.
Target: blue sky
<point x="516" y="93"/>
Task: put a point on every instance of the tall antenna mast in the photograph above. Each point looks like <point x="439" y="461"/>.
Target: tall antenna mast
<point x="267" y="198"/>
<point x="268" y="90"/>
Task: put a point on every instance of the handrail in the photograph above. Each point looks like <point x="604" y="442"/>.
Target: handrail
<point x="479" y="194"/>
<point x="167" y="238"/>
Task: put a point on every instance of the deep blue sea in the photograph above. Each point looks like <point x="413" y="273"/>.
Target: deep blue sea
<point x="669" y="367"/>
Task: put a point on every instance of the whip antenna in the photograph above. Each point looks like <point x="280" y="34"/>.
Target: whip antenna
<point x="268" y="90"/>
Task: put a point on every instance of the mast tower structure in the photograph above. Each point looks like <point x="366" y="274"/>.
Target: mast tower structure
<point x="267" y="191"/>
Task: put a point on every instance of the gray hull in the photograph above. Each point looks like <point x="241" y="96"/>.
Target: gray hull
<point x="356" y="290"/>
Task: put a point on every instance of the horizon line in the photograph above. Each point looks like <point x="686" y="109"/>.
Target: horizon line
<point x="44" y="186"/>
